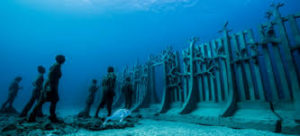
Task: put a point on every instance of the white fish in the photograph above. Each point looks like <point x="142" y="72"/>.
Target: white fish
<point x="120" y="115"/>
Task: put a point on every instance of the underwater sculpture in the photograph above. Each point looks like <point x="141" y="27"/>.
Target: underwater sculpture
<point x="36" y="93"/>
<point x="128" y="92"/>
<point x="50" y="91"/>
<point x="108" y="86"/>
<point x="237" y="72"/>
<point x="90" y="100"/>
<point x="12" y="94"/>
<point x="235" y="68"/>
<point x="119" y="115"/>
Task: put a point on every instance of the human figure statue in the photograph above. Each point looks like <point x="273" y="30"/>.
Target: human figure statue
<point x="108" y="87"/>
<point x="127" y="91"/>
<point x="12" y="94"/>
<point x="90" y="100"/>
<point x="50" y="91"/>
<point x="36" y="93"/>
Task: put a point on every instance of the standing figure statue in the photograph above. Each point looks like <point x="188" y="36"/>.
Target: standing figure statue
<point x="127" y="91"/>
<point x="90" y="100"/>
<point x="108" y="87"/>
<point x="36" y="93"/>
<point x="50" y="91"/>
<point x="12" y="94"/>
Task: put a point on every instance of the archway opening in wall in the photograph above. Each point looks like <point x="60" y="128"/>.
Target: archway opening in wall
<point x="159" y="82"/>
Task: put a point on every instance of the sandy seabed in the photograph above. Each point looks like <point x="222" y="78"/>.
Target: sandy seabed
<point x="148" y="127"/>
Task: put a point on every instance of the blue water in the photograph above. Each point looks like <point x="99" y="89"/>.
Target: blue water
<point x="94" y="34"/>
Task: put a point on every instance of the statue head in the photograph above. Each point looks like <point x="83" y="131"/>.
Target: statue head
<point x="60" y="59"/>
<point x="94" y="81"/>
<point x="18" y="78"/>
<point x="110" y="69"/>
<point x="41" y="69"/>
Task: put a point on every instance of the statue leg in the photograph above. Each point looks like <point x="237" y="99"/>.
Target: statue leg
<point x="129" y="102"/>
<point x="126" y="101"/>
<point x="11" y="101"/>
<point x="53" y="110"/>
<point x="4" y="104"/>
<point x="40" y="112"/>
<point x="109" y="105"/>
<point x="27" y="107"/>
<point x="38" y="106"/>
<point x="88" y="108"/>
<point x="100" y="106"/>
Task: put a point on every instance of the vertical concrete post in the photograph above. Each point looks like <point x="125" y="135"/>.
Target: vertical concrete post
<point x="231" y="103"/>
<point x="210" y="76"/>
<point x="153" y="95"/>
<point x="166" y="95"/>
<point x="278" y="66"/>
<point x="216" y="57"/>
<point x="238" y="69"/>
<point x="199" y="78"/>
<point x="246" y="65"/>
<point x="147" y="96"/>
<point x="256" y="73"/>
<point x="177" y="64"/>
<point x="266" y="68"/>
<point x="223" y="69"/>
<point x="191" y="101"/>
<point x="296" y="34"/>
<point x="185" y="80"/>
<point x="204" y="76"/>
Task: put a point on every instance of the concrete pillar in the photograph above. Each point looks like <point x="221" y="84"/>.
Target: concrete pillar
<point x="231" y="103"/>
<point x="166" y="94"/>
<point x="238" y="69"/>
<point x="246" y="65"/>
<point x="296" y="35"/>
<point x="223" y="71"/>
<point x="204" y="76"/>
<point x="256" y="77"/>
<point x="191" y="101"/>
<point x="217" y="71"/>
<point x="211" y="77"/>
<point x="267" y="70"/>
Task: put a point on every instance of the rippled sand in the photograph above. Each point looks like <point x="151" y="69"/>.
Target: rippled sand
<point x="167" y="128"/>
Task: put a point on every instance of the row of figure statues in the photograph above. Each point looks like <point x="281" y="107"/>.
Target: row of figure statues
<point x="48" y="92"/>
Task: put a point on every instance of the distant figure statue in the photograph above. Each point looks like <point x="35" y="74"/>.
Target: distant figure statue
<point x="12" y="94"/>
<point x="127" y="91"/>
<point x="90" y="100"/>
<point x="36" y="93"/>
<point x="108" y="87"/>
<point x="50" y="91"/>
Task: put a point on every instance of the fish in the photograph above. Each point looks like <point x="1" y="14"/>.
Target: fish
<point x="119" y="115"/>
